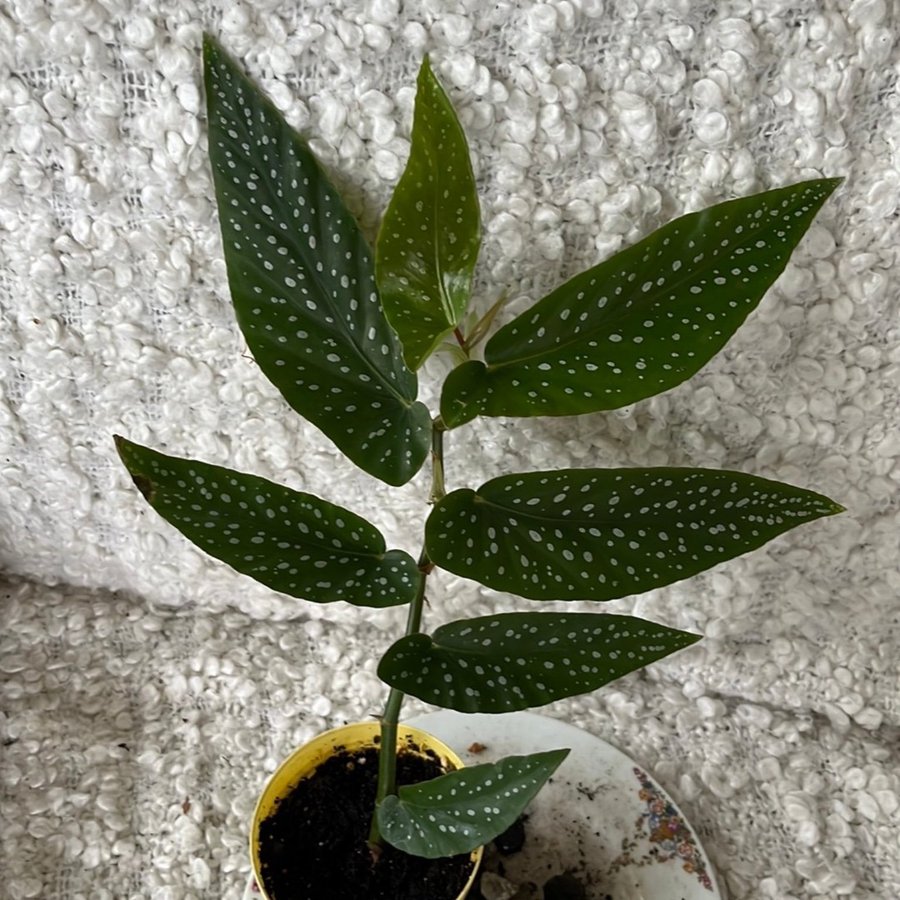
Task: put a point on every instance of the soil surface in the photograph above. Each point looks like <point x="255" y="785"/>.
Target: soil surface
<point x="313" y="847"/>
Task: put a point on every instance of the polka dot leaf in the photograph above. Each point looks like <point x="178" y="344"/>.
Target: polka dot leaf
<point x="644" y="320"/>
<point x="289" y="541"/>
<point x="512" y="661"/>
<point x="429" y="237"/>
<point x="302" y="282"/>
<point x="460" y="811"/>
<point x="598" y="534"/>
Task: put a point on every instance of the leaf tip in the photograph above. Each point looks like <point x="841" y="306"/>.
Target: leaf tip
<point x="826" y="506"/>
<point x="123" y="447"/>
<point x="560" y="754"/>
<point x="426" y="72"/>
<point x="143" y="483"/>
<point x="829" y="186"/>
<point x="210" y="46"/>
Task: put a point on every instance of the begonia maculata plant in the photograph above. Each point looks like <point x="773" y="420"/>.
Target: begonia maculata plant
<point x="341" y="330"/>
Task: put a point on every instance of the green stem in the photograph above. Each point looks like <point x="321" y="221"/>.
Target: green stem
<point x="438" y="491"/>
<point x="387" y="755"/>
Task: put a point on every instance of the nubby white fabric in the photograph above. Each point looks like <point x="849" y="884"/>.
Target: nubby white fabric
<point x="138" y="726"/>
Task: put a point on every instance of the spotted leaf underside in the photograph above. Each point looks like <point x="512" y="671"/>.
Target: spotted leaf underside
<point x="644" y="320"/>
<point x="429" y="238"/>
<point x="598" y="534"/>
<point x="512" y="661"/>
<point x="460" y="811"/>
<point x="289" y="541"/>
<point x="303" y="285"/>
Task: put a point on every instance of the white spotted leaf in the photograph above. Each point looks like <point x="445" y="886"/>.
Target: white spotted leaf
<point x="303" y="285"/>
<point x="512" y="661"/>
<point x="598" y="534"/>
<point x="289" y="541"/>
<point x="459" y="812"/>
<point x="644" y="320"/>
<point x="429" y="238"/>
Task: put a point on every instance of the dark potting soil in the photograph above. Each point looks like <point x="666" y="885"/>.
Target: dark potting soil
<point x="313" y="847"/>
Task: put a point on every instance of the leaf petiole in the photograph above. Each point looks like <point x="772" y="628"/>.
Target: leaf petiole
<point x="438" y="490"/>
<point x="483" y="325"/>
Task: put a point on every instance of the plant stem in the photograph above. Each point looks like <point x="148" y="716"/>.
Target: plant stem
<point x="437" y="461"/>
<point x="387" y="754"/>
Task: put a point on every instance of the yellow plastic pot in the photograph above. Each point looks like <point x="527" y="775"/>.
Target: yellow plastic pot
<point x="306" y="759"/>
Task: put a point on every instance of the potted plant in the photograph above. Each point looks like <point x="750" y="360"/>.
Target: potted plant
<point x="341" y="333"/>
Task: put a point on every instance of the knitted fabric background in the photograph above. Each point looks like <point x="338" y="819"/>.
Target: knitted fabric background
<point x="147" y="689"/>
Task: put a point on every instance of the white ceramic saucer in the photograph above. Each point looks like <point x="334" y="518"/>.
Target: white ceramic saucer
<point x="601" y="818"/>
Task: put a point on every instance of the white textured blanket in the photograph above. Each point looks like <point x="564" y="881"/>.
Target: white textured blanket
<point x="137" y="727"/>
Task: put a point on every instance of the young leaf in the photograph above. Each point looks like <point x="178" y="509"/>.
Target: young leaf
<point x="598" y="534"/>
<point x="460" y="811"/>
<point x="291" y="542"/>
<point x="303" y="285"/>
<point x="429" y="238"/>
<point x="644" y="320"/>
<point x="512" y="661"/>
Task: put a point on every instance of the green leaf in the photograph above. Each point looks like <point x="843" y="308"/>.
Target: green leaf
<point x="597" y="534"/>
<point x="644" y="320"/>
<point x="511" y="661"/>
<point x="429" y="238"/>
<point x="291" y="542"/>
<point x="460" y="811"/>
<point x="303" y="285"/>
